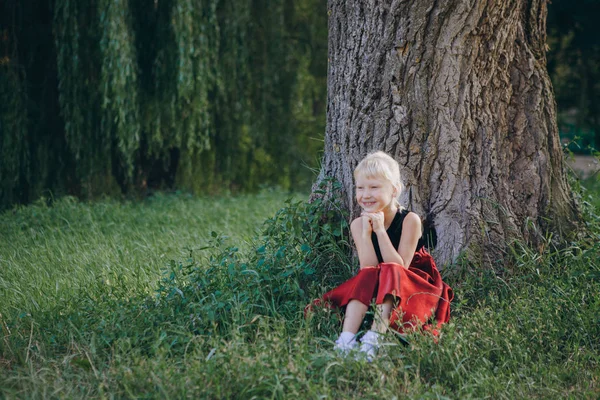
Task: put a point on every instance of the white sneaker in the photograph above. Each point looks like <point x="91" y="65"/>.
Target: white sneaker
<point x="369" y="344"/>
<point x="345" y="343"/>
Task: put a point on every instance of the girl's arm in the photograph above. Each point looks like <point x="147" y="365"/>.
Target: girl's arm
<point x="361" y="234"/>
<point x="411" y="232"/>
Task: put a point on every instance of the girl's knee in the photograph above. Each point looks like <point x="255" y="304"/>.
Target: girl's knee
<point x="369" y="267"/>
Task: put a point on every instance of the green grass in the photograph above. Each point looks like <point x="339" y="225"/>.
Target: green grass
<point x="49" y="253"/>
<point x="140" y="300"/>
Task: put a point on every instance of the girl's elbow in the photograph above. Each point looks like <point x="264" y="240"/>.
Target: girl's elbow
<point x="402" y="263"/>
<point x="397" y="260"/>
<point x="368" y="264"/>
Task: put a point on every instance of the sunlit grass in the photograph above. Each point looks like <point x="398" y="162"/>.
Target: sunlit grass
<point x="49" y="253"/>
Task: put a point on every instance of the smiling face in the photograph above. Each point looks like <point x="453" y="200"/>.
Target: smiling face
<point x="374" y="194"/>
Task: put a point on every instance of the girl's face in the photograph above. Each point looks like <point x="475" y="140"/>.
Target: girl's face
<point x="374" y="194"/>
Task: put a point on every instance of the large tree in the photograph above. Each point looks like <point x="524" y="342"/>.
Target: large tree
<point x="457" y="91"/>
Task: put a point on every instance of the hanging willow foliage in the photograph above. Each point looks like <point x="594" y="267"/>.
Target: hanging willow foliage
<point x="77" y="49"/>
<point x="197" y="95"/>
<point x="14" y="157"/>
<point x="232" y="113"/>
<point x="178" y="44"/>
<point x="195" y="30"/>
<point x="157" y="62"/>
<point x="72" y="99"/>
<point x="307" y="101"/>
<point x="118" y="83"/>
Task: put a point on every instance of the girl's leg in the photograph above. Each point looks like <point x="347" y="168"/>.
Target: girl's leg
<point x="355" y="313"/>
<point x="382" y="314"/>
<point x="354" y="294"/>
<point x="371" y="339"/>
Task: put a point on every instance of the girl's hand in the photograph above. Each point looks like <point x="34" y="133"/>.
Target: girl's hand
<point x="377" y="221"/>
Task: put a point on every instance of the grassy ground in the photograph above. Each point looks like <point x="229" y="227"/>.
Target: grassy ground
<point x="143" y="300"/>
<point x="49" y="253"/>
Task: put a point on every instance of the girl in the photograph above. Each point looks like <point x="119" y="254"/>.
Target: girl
<point x="395" y="270"/>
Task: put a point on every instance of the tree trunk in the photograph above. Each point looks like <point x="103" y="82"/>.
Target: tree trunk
<point x="457" y="91"/>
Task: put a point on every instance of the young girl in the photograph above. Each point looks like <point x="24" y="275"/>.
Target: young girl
<point x="396" y="273"/>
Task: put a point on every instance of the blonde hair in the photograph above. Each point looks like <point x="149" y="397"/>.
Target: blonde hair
<point x="381" y="165"/>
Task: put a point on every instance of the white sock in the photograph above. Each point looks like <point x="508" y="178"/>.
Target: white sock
<point x="347" y="338"/>
<point x="345" y="343"/>
<point x="372" y="338"/>
<point x="369" y="344"/>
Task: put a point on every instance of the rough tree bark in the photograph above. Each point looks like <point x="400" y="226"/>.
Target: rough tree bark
<point x="457" y="91"/>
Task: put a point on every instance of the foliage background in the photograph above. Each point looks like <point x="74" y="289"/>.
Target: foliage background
<point x="128" y="96"/>
<point x="112" y="97"/>
<point x="574" y="67"/>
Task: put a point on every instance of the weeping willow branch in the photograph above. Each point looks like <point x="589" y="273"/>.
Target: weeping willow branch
<point x="15" y="171"/>
<point x="118" y="83"/>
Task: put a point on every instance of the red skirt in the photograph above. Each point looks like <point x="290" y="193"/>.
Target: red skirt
<point x="421" y="298"/>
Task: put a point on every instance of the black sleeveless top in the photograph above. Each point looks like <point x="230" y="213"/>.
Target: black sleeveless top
<point x="394" y="232"/>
